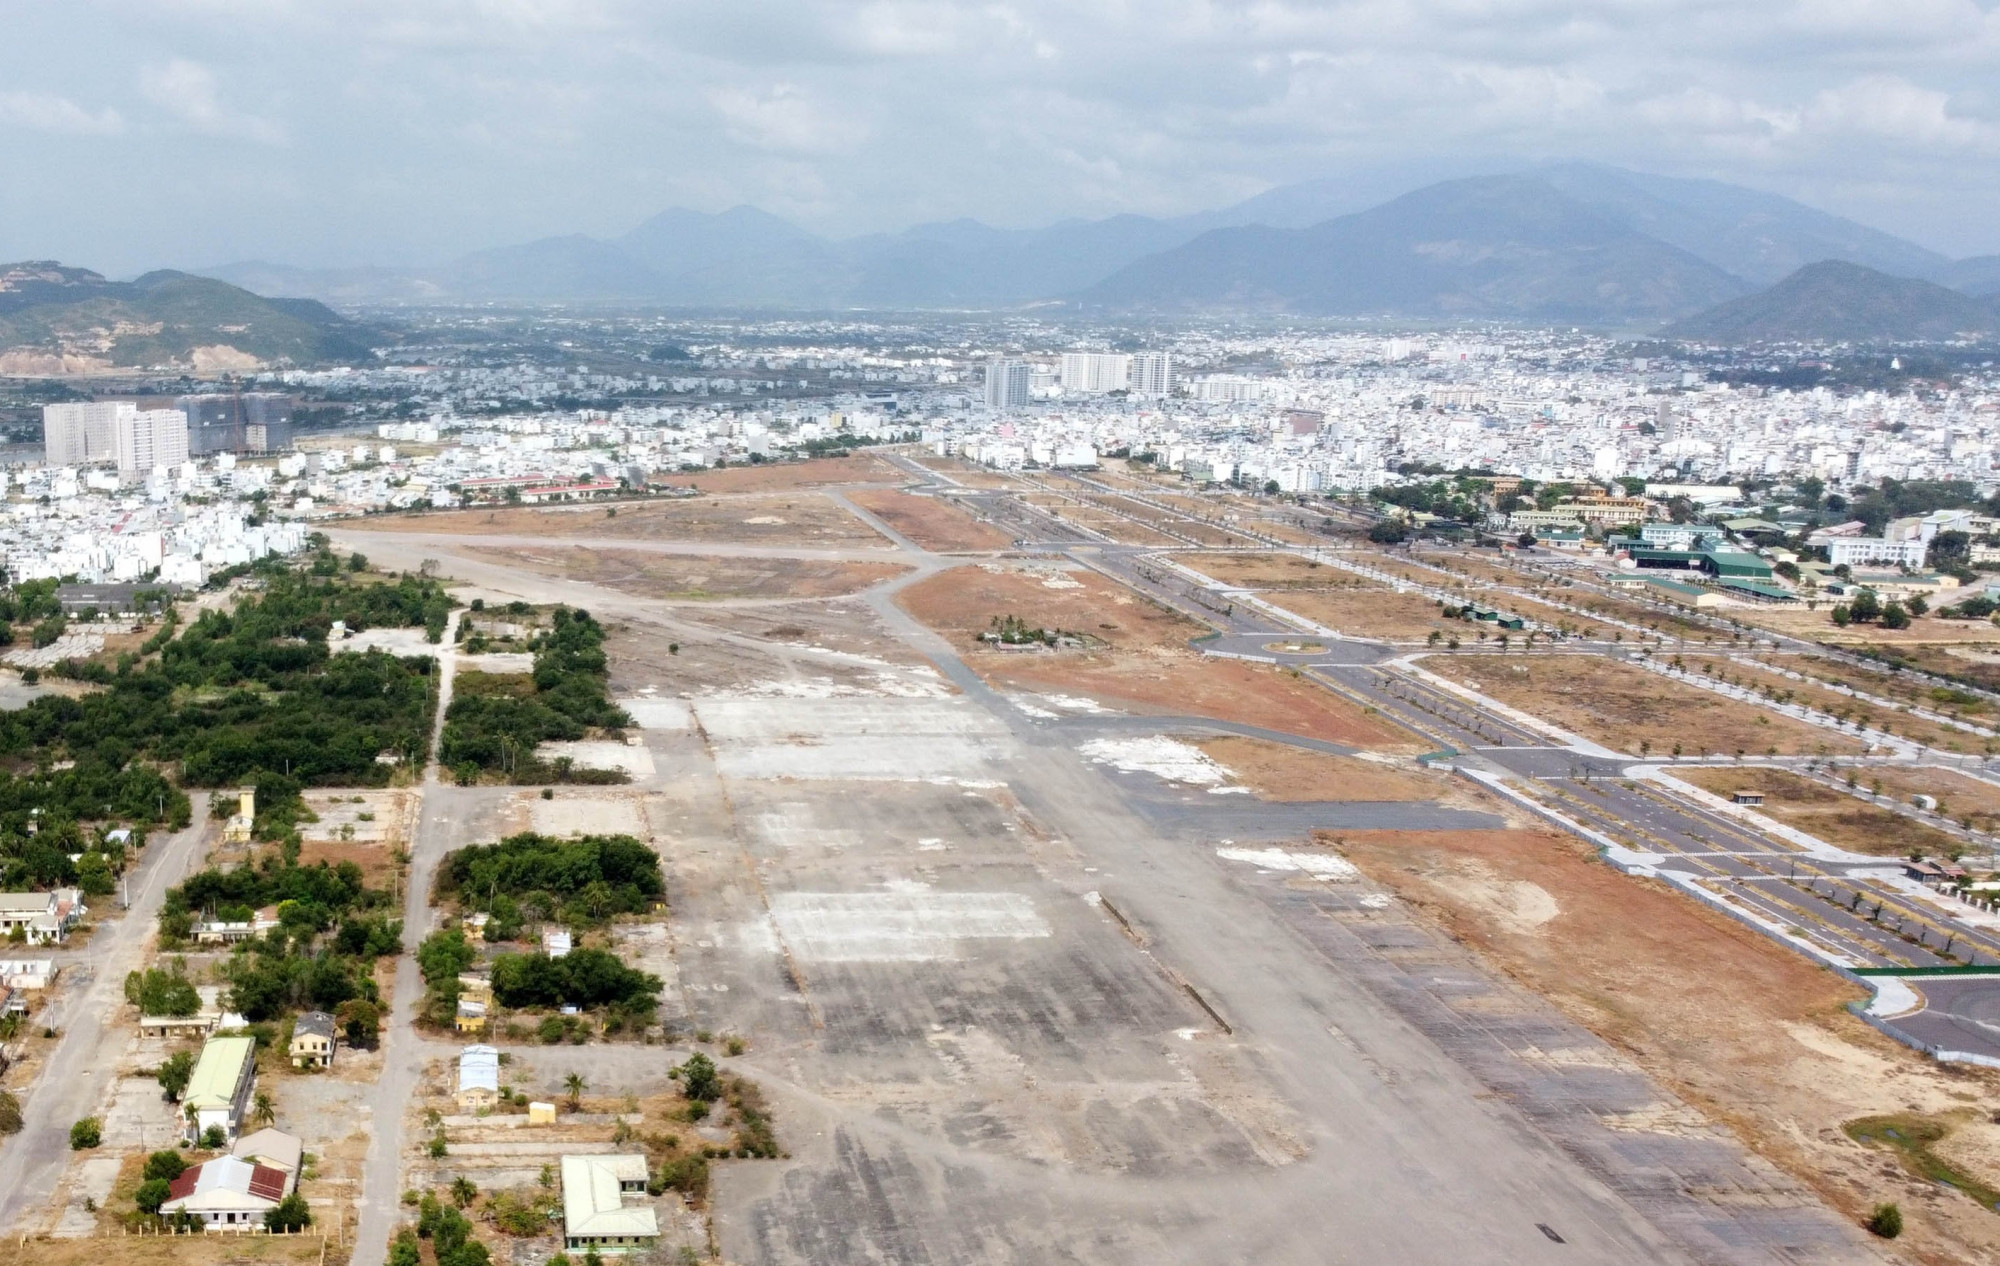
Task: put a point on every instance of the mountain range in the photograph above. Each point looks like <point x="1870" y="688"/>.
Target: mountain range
<point x="1577" y="243"/>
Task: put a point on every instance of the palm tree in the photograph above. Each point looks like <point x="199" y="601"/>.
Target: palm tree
<point x="576" y="1085"/>
<point x="463" y="1192"/>
<point x="263" y="1111"/>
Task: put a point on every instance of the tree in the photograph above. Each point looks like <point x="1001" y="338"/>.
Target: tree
<point x="443" y="955"/>
<point x="1866" y="607"/>
<point x="1886" y="1221"/>
<point x="1526" y="540"/>
<point x="405" y="1250"/>
<point x="361" y="1021"/>
<point x="1843" y="615"/>
<point x="1389" y="532"/>
<point x="699" y="1080"/>
<point x="1895" y="617"/>
<point x="1918" y="605"/>
<point x="165" y="1164"/>
<point x="152" y="1193"/>
<point x="86" y="1134"/>
<point x="290" y="1215"/>
<point x="263" y="1111"/>
<point x="214" y="1139"/>
<point x="576" y="1085"/>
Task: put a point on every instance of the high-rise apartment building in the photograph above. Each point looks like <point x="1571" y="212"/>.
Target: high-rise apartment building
<point x="146" y="438"/>
<point x="1095" y="373"/>
<point x="1007" y="383"/>
<point x="79" y="434"/>
<point x="215" y="423"/>
<point x="267" y="422"/>
<point x="1151" y="374"/>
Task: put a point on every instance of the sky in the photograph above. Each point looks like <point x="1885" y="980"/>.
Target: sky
<point x="404" y="132"/>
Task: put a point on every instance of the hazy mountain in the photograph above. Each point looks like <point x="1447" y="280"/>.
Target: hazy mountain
<point x="1979" y="275"/>
<point x="1638" y="238"/>
<point x="1835" y="301"/>
<point x="1759" y="237"/>
<point x="49" y="311"/>
<point x="1496" y="246"/>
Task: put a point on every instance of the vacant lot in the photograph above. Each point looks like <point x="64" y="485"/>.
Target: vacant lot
<point x="1377" y="612"/>
<point x="1754" y="1035"/>
<point x="1632" y="709"/>
<point x="1272" y="570"/>
<point x="936" y="523"/>
<point x="1922" y="632"/>
<point x="1977" y="663"/>
<point x="1281" y="772"/>
<point x="1811" y="694"/>
<point x="1141" y="661"/>
<point x="856" y="468"/>
<point x="1958" y="796"/>
<point x="962" y="603"/>
<point x="694" y="577"/>
<point x="1819" y="810"/>
<point x="805" y="519"/>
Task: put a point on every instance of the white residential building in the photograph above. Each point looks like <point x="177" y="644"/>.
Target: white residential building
<point x="82" y="433"/>
<point x="1871" y="551"/>
<point x="1007" y="383"/>
<point x="145" y="438"/>
<point x="1151" y="374"/>
<point x="595" y="1215"/>
<point x="1094" y="373"/>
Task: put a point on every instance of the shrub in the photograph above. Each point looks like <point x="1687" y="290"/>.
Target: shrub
<point x="10" y="1113"/>
<point x="86" y="1134"/>
<point x="698" y="1078"/>
<point x="175" y="1070"/>
<point x="290" y="1215"/>
<point x="1886" y="1221"/>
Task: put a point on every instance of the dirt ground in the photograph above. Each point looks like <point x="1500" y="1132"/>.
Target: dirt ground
<point x="1958" y="797"/>
<point x="1975" y="662"/>
<point x="1280" y="772"/>
<point x="804" y="519"/>
<point x="1819" y="626"/>
<point x="1272" y="570"/>
<point x="818" y="472"/>
<point x="1742" y="1028"/>
<point x="1833" y="816"/>
<point x="962" y="602"/>
<point x="936" y="523"/>
<point x="697" y="578"/>
<point x="1379" y="612"/>
<point x="1626" y="707"/>
<point x="1143" y="664"/>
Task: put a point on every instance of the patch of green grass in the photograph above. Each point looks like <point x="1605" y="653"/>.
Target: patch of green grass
<point x="1912" y="1137"/>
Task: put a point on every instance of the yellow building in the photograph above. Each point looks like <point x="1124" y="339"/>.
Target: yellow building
<point x="237" y="829"/>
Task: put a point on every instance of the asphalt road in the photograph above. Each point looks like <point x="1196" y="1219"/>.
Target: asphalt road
<point x="79" y="1073"/>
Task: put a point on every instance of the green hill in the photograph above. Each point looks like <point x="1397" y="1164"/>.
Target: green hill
<point x="165" y="319"/>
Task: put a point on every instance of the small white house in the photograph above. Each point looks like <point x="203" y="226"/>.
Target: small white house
<point x="595" y="1212"/>
<point x="227" y="1193"/>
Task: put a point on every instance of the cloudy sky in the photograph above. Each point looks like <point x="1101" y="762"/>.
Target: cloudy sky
<point x="143" y="133"/>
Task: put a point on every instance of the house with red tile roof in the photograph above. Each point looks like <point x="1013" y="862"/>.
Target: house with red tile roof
<point x="227" y="1193"/>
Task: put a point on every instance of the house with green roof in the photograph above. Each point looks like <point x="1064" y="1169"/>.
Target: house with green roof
<point x="219" y="1090"/>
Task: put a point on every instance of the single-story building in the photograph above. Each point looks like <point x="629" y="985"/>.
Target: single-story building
<point x="471" y="1016"/>
<point x="595" y="1215"/>
<point x="273" y="1149"/>
<point x="229" y="932"/>
<point x="478" y="1078"/>
<point x="219" y="1089"/>
<point x="227" y="1192"/>
<point x="556" y="942"/>
<point x="44" y="918"/>
<point x="312" y="1040"/>
<point x="27" y="973"/>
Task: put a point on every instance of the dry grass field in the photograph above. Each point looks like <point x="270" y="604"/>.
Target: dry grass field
<point x="808" y="519"/>
<point x="1632" y="709"/>
<point x="694" y="577"/>
<point x="936" y="523"/>
<point x="1377" y="612"/>
<point x="1819" y="810"/>
<point x="1144" y="663"/>
<point x="1745" y="1030"/>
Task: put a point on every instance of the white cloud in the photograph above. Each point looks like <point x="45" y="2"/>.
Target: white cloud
<point x="188" y="93"/>
<point x="784" y="117"/>
<point x="46" y="112"/>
